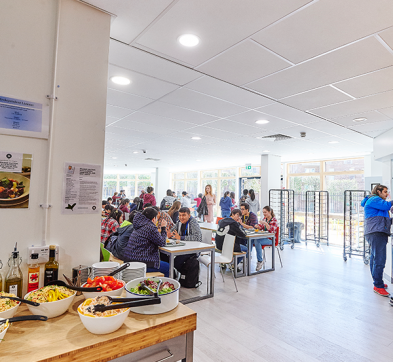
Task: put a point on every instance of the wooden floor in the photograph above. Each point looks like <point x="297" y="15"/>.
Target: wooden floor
<point x="316" y="308"/>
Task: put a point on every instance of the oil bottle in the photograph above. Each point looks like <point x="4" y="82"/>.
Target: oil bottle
<point x="51" y="267"/>
<point x="33" y="273"/>
<point x="14" y="279"/>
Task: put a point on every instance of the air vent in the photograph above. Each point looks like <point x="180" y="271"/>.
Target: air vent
<point x="278" y="137"/>
<point x="152" y="159"/>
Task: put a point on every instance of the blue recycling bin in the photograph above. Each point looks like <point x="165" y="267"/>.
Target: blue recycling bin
<point x="295" y="231"/>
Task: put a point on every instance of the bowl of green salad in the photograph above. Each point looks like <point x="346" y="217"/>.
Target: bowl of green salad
<point x="168" y="292"/>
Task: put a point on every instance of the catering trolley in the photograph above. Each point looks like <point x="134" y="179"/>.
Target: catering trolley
<point x="317" y="217"/>
<point x="354" y="239"/>
<point x="282" y="202"/>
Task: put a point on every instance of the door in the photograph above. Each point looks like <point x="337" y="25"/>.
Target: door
<point x="250" y="183"/>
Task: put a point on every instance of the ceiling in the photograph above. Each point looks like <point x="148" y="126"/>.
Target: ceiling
<point x="305" y="66"/>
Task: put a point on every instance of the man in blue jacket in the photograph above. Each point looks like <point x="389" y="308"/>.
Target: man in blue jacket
<point x="377" y="231"/>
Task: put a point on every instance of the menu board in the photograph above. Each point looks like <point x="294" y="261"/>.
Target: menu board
<point x="15" y="170"/>
<point x="81" y="188"/>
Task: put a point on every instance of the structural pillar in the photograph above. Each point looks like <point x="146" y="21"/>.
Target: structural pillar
<point x="270" y="176"/>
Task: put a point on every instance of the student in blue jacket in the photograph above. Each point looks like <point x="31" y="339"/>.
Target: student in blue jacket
<point x="377" y="230"/>
<point x="226" y="204"/>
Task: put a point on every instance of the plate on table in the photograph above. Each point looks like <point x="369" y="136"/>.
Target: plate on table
<point x="173" y="244"/>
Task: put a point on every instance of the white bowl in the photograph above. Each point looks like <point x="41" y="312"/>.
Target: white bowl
<point x="168" y="301"/>
<point x="112" y="293"/>
<point x="9" y="313"/>
<point x="2" y="334"/>
<point x="106" y="265"/>
<point x="103" y="325"/>
<point x="51" y="309"/>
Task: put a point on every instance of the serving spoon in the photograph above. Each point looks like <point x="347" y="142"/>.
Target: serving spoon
<point x="25" y="318"/>
<point x="80" y="289"/>
<point x="21" y="300"/>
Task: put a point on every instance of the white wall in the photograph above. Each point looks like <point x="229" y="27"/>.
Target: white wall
<point x="162" y="183"/>
<point x="373" y="171"/>
<point x="27" y="64"/>
<point x="270" y="176"/>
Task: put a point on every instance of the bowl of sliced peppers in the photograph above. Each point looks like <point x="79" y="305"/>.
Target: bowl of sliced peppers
<point x="110" y="286"/>
<point x="54" y="300"/>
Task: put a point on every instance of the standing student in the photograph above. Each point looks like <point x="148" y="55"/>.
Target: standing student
<point x="185" y="200"/>
<point x="377" y="230"/>
<point x="198" y="202"/>
<point x="149" y="197"/>
<point x="115" y="197"/>
<point x="243" y="197"/>
<point x="226" y="204"/>
<point x="232" y="196"/>
<point x="253" y="202"/>
<point x="210" y="201"/>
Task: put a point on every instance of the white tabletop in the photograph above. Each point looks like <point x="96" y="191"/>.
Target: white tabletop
<point x="190" y="246"/>
<point x="208" y="226"/>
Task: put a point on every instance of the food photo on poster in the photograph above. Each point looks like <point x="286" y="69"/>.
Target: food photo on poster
<point x="15" y="171"/>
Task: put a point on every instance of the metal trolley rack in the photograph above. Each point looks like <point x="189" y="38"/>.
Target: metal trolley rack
<point x="282" y="202"/>
<point x="354" y="240"/>
<point x="317" y="217"/>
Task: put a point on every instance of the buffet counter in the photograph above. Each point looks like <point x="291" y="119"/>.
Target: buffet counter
<point x="142" y="338"/>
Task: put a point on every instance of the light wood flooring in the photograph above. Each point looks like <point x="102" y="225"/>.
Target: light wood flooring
<point x="316" y="308"/>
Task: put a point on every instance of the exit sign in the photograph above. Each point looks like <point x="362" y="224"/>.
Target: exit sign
<point x="248" y="166"/>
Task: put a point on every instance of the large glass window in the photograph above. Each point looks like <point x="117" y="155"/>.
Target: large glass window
<point x="192" y="188"/>
<point x="344" y="165"/>
<point x="304" y="183"/>
<point x="310" y="167"/>
<point x="255" y="171"/>
<point x="131" y="184"/>
<point x="129" y="188"/>
<point x="340" y="183"/>
<point x="209" y="174"/>
<point x="179" y="187"/>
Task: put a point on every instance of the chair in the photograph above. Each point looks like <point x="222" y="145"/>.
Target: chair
<point x="105" y="253"/>
<point x="276" y="246"/>
<point x="226" y="256"/>
<point x="237" y="255"/>
<point x="218" y="219"/>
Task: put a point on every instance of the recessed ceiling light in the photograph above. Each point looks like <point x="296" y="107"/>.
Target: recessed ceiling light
<point x="333" y="142"/>
<point x="195" y="138"/>
<point x="136" y="152"/>
<point x="262" y="121"/>
<point x="114" y="158"/>
<point x="360" y="119"/>
<point x="188" y="40"/>
<point x="120" y="80"/>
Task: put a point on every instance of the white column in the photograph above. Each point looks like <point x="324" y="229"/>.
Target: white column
<point x="270" y="176"/>
<point x="372" y="171"/>
<point x="163" y="183"/>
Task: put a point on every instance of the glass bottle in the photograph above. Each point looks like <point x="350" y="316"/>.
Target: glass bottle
<point x="51" y="267"/>
<point x="1" y="276"/>
<point x="14" y="279"/>
<point x="33" y="273"/>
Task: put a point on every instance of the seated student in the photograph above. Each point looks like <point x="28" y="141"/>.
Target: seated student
<point x="108" y="209"/>
<point x="186" y="228"/>
<point x="162" y="215"/>
<point x="110" y="200"/>
<point x="145" y="206"/>
<point x="135" y="204"/>
<point x="124" y="205"/>
<point x="110" y="224"/>
<point x="167" y="201"/>
<point x="173" y="212"/>
<point x="117" y="245"/>
<point x="145" y="240"/>
<point x="231" y="226"/>
<point x="104" y="203"/>
<point x="249" y="219"/>
<point x="269" y="223"/>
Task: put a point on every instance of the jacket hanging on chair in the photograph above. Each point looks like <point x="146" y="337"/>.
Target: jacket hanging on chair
<point x="202" y="208"/>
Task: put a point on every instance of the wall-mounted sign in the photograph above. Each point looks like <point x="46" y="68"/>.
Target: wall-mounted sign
<point x="15" y="170"/>
<point x="248" y="166"/>
<point x="81" y="188"/>
<point x="23" y="118"/>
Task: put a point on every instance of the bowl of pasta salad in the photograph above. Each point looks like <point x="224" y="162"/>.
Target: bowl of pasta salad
<point x="8" y="307"/>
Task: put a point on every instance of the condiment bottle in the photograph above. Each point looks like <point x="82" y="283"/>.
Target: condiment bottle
<point x="51" y="267"/>
<point x="14" y="279"/>
<point x="1" y="276"/>
<point x="33" y="274"/>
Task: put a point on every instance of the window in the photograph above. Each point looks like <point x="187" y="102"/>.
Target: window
<point x="344" y="165"/>
<point x="178" y="187"/>
<point x="209" y="174"/>
<point x="129" y="188"/>
<point x="178" y="176"/>
<point x="192" y="174"/>
<point x="192" y="189"/>
<point x="304" y="167"/>
<point x="229" y="172"/>
<point x="131" y="184"/>
<point x="255" y="171"/>
<point x="340" y="183"/>
<point x="127" y="177"/>
<point x="304" y="183"/>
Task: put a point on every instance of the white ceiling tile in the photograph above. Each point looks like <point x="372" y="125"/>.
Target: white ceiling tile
<point x="110" y="120"/>
<point x="387" y="36"/>
<point x="141" y="85"/>
<point x="132" y="16"/>
<point x="182" y="114"/>
<point x="200" y="102"/>
<point x="243" y="63"/>
<point x="330" y="128"/>
<point x="117" y="112"/>
<point x="371" y="83"/>
<point x="288" y="113"/>
<point x="126" y="100"/>
<point x="372" y="116"/>
<point x="310" y="133"/>
<point x="203" y="131"/>
<point x="362" y="57"/>
<point x="232" y="127"/>
<point x="129" y="57"/>
<point x="215" y="23"/>
<point x="316" y="98"/>
<point x="365" y="128"/>
<point x="388" y="111"/>
<point x="130" y="127"/>
<point x="324" y="26"/>
<point x="380" y="100"/>
<point x="228" y="92"/>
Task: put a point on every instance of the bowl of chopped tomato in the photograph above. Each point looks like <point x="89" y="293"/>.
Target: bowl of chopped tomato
<point x="110" y="286"/>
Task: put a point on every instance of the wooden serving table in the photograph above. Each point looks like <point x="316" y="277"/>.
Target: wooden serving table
<point x="142" y="338"/>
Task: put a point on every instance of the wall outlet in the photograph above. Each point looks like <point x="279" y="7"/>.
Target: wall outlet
<point x="43" y="253"/>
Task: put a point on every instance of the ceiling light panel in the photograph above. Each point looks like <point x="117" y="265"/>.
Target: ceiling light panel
<point x="372" y="116"/>
<point x="244" y="63"/>
<point x="344" y="63"/>
<point x="203" y="103"/>
<point x="316" y="98"/>
<point x="249" y="118"/>
<point x="352" y="19"/>
<point x="207" y="19"/>
<point x="227" y="92"/>
<point x="188" y="40"/>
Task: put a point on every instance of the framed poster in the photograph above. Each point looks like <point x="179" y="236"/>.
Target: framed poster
<point x="15" y="171"/>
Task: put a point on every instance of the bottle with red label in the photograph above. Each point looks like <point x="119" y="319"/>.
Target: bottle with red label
<point x="33" y="274"/>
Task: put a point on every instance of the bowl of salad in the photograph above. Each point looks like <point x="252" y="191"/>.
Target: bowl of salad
<point x="3" y="329"/>
<point x="54" y="300"/>
<point x="169" y="294"/>
<point x="13" y="187"/>
<point x="110" y="286"/>
<point x="8" y="307"/>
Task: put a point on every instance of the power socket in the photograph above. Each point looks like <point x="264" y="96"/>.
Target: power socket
<point x="43" y="253"/>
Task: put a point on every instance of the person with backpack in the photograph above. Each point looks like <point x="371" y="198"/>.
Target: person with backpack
<point x="377" y="226"/>
<point x="110" y="224"/>
<point x="253" y="202"/>
<point x="167" y="201"/>
<point x="135" y="204"/>
<point x="226" y="204"/>
<point x="243" y="197"/>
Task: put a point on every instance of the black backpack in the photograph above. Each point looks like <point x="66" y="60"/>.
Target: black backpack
<point x="165" y="206"/>
<point x="190" y="273"/>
